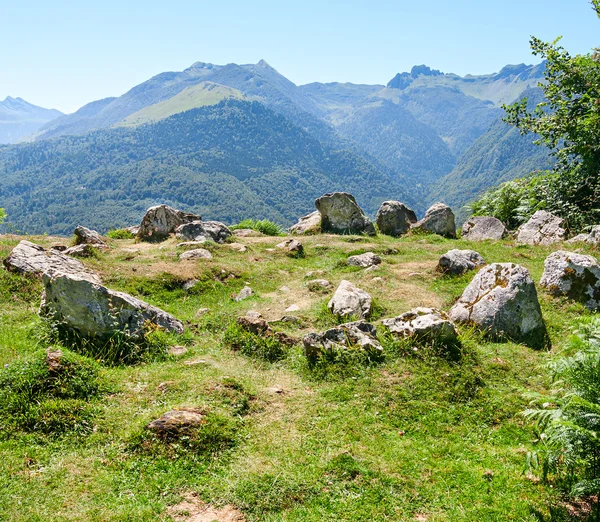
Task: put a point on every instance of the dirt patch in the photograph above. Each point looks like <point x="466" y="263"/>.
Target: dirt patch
<point x="192" y="509"/>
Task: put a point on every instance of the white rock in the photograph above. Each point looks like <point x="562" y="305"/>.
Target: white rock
<point x="348" y="301"/>
<point x="197" y="253"/>
<point x="543" y="228"/>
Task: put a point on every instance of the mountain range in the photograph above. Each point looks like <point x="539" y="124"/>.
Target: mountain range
<point x="19" y="119"/>
<point x="425" y="136"/>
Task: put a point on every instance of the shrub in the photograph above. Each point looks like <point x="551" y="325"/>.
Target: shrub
<point x="268" y="228"/>
<point x="120" y="233"/>
<point x="267" y="347"/>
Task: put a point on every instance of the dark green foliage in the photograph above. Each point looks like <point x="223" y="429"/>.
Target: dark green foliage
<point x="120" y="233"/>
<point x="265" y="347"/>
<point x="266" y="227"/>
<point x="37" y="397"/>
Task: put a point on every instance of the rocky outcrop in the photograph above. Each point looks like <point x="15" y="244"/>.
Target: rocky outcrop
<point x="197" y="253"/>
<point x="575" y="276"/>
<point x="203" y="230"/>
<point x="439" y="219"/>
<point x="340" y="214"/>
<point x="364" y="260"/>
<point x="85" y="236"/>
<point x="350" y="301"/>
<point x="424" y="324"/>
<point x="457" y="262"/>
<point x="307" y="225"/>
<point x="83" y="305"/>
<point x="358" y="334"/>
<point x="29" y="258"/>
<point x="394" y="218"/>
<point x="177" y="422"/>
<point x="543" y="228"/>
<point x="480" y="228"/>
<point x="162" y="220"/>
<point x="503" y="302"/>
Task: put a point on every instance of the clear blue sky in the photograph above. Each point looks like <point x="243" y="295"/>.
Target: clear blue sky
<point x="64" y="54"/>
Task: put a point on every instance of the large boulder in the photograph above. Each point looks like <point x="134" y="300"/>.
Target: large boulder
<point x="480" y="228"/>
<point x="203" y="230"/>
<point x="457" y="262"/>
<point x="90" y="309"/>
<point x="340" y="214"/>
<point x="350" y="301"/>
<point x="576" y="276"/>
<point x="86" y="236"/>
<point x="394" y="218"/>
<point x="310" y="224"/>
<point x="439" y="219"/>
<point x="162" y="220"/>
<point x="543" y="228"/>
<point x="364" y="260"/>
<point x="592" y="238"/>
<point x="29" y="258"/>
<point x="423" y="324"/>
<point x="503" y="302"/>
<point x="357" y="334"/>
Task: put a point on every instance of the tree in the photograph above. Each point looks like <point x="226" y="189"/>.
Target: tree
<point x="568" y="122"/>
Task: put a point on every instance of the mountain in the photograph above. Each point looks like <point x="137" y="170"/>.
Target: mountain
<point x="19" y="119"/>
<point x="234" y="160"/>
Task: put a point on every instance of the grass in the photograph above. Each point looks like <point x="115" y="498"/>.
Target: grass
<point x="264" y="226"/>
<point x="418" y="435"/>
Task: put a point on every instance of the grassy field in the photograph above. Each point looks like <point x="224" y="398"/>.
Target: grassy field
<point x="415" y="437"/>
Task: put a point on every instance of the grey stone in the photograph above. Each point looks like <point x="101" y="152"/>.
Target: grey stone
<point x="203" y="230"/>
<point x="292" y="247"/>
<point x="318" y="284"/>
<point x="543" y="228"/>
<point x="423" y="324"/>
<point x="575" y="276"/>
<point x="457" y="262"/>
<point x="89" y="308"/>
<point x="592" y="238"/>
<point x="85" y="236"/>
<point x="162" y="220"/>
<point x="177" y="422"/>
<point x="191" y="244"/>
<point x="247" y="232"/>
<point x="244" y="293"/>
<point x="503" y="302"/>
<point x="83" y="250"/>
<point x="480" y="228"/>
<point x="340" y="214"/>
<point x="394" y="218"/>
<point x="348" y="301"/>
<point x="255" y="325"/>
<point x="356" y="334"/>
<point x="307" y="225"/>
<point x="439" y="219"/>
<point x="197" y="253"/>
<point x="177" y="351"/>
<point x="365" y="260"/>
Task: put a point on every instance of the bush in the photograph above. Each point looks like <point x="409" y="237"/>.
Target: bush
<point x="36" y="395"/>
<point x="120" y="233"/>
<point x="268" y="228"/>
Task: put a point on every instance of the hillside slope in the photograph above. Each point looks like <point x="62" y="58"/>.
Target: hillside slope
<point x="19" y="119"/>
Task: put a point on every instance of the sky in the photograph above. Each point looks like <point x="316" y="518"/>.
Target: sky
<point x="64" y="54"/>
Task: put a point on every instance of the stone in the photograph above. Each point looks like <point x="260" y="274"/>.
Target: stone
<point x="197" y="253"/>
<point x="203" y="230"/>
<point x="284" y="289"/>
<point x="177" y="351"/>
<point x="348" y="301"/>
<point x="310" y="224"/>
<point x="292" y="308"/>
<point x="85" y="236"/>
<point x="543" y="228"/>
<point x="244" y="293"/>
<point x="191" y="244"/>
<point x="162" y="220"/>
<point x="424" y="324"/>
<point x="83" y="250"/>
<point x="292" y="247"/>
<point x="291" y="319"/>
<point x="572" y="275"/>
<point x="480" y="228"/>
<point x="247" y="232"/>
<point x="85" y="306"/>
<point x="177" y="422"/>
<point x="364" y="260"/>
<point x="53" y="360"/>
<point x="29" y="258"/>
<point x="356" y="334"/>
<point x="502" y="301"/>
<point x="592" y="238"/>
<point x="457" y="262"/>
<point x="59" y="248"/>
<point x="134" y="229"/>
<point x="238" y="247"/>
<point x="202" y="311"/>
<point x="439" y="219"/>
<point x="253" y="314"/>
<point x="189" y="284"/>
<point x="255" y="325"/>
<point x="394" y="218"/>
<point x="318" y="284"/>
<point x="340" y="214"/>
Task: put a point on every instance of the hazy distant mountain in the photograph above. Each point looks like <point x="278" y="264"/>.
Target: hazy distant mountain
<point x="19" y="119"/>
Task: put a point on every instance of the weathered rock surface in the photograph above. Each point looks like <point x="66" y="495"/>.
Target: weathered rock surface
<point x="576" y="276"/>
<point x="177" y="422"/>
<point x="255" y="325"/>
<point x="86" y="236"/>
<point x="84" y="305"/>
<point x="592" y="238"/>
<point x="348" y="301"/>
<point x="394" y="218"/>
<point x="423" y="324"/>
<point x="244" y="293"/>
<point x="197" y="253"/>
<point x="502" y="301"/>
<point x="203" y="230"/>
<point x="29" y="258"/>
<point x="364" y="260"/>
<point x="162" y="220"/>
<point x="318" y="284"/>
<point x="340" y="214"/>
<point x="358" y="333"/>
<point x="292" y="247"/>
<point x="83" y="250"/>
<point x="543" y="228"/>
<point x="247" y="232"/>
<point x="191" y="244"/>
<point x="458" y="262"/>
<point x="439" y="219"/>
<point x="480" y="228"/>
<point x="310" y="224"/>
